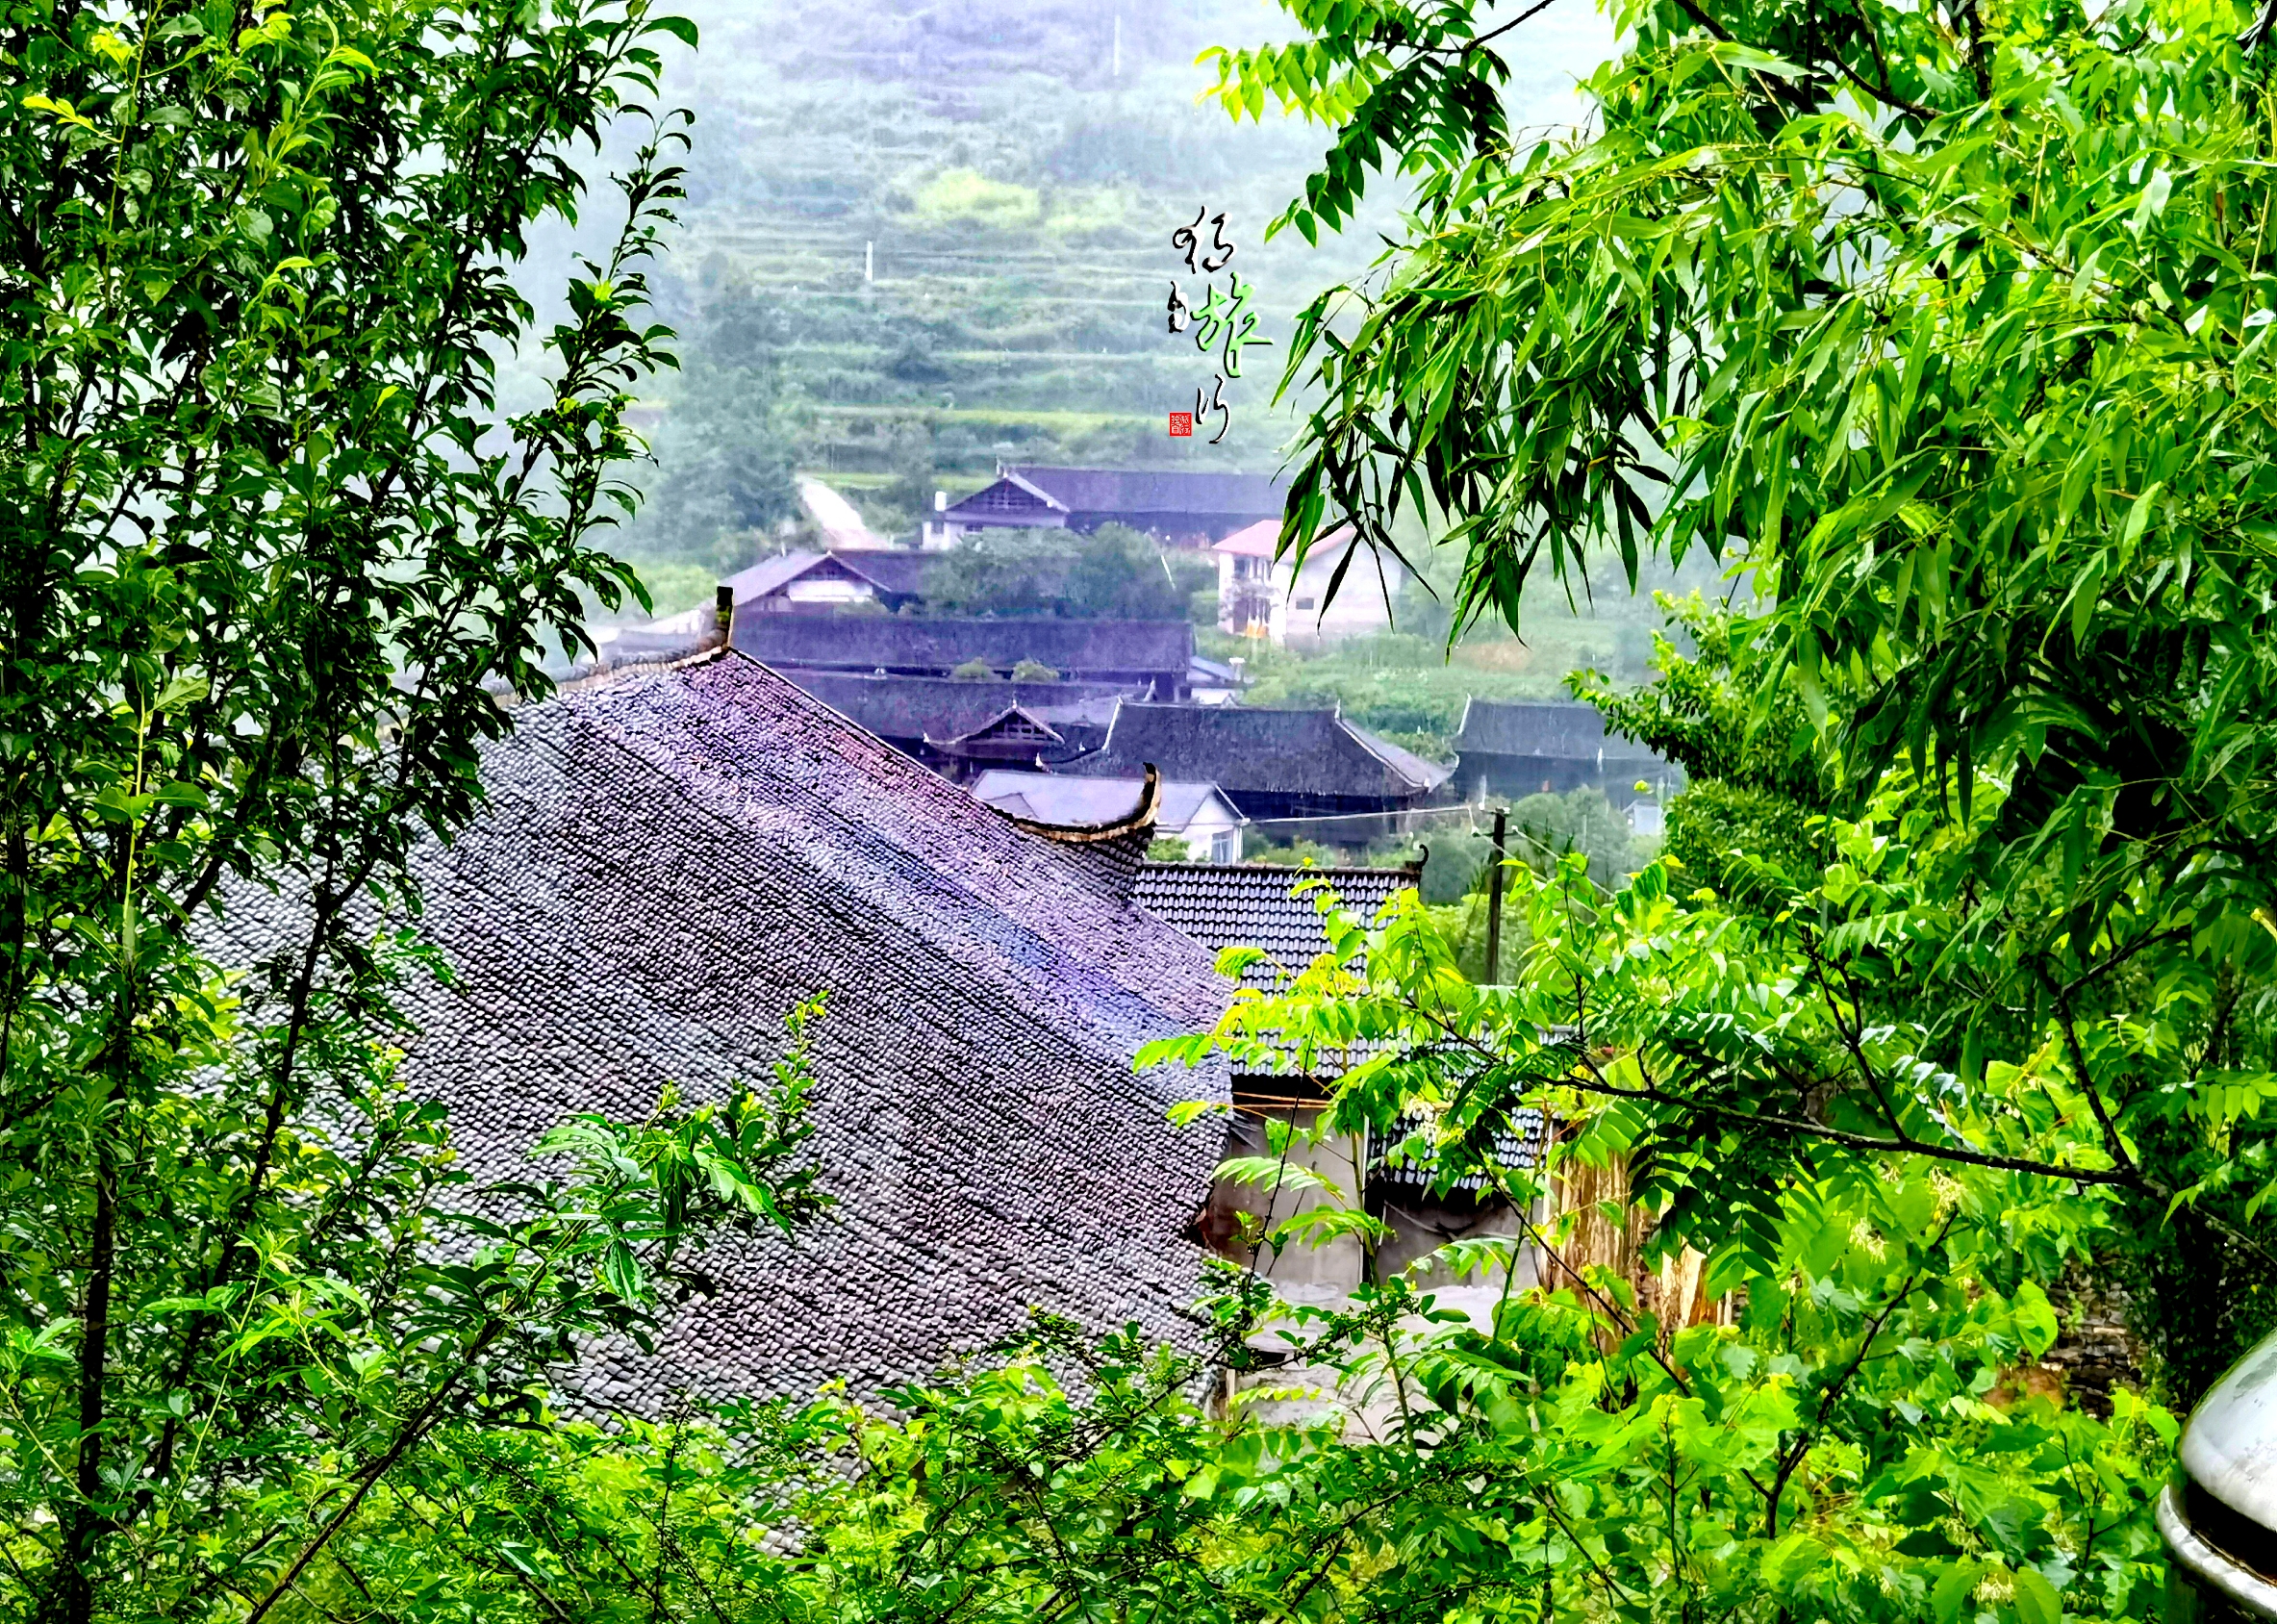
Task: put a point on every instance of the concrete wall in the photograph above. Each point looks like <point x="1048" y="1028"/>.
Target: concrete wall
<point x="1215" y="821"/>
<point x="1294" y="599"/>
<point x="1328" y="1275"/>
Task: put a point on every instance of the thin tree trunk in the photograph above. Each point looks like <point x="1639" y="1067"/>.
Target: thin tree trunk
<point x="86" y="1521"/>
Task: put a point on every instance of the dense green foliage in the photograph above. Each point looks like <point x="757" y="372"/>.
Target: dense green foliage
<point x="1946" y="328"/>
<point x="1113" y="573"/>
<point x="268" y="558"/>
<point x="728" y="450"/>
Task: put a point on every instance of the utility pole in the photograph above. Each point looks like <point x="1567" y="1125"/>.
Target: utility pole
<point x="1494" y="898"/>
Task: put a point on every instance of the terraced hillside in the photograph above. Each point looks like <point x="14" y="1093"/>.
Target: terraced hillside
<point x="951" y="220"/>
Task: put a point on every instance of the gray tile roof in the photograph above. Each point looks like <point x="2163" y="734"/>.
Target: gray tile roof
<point x="1229" y="904"/>
<point x="1240" y="748"/>
<point x="895" y="574"/>
<point x="668" y="861"/>
<point x="1164" y="491"/>
<point x="1255" y="905"/>
<point x="941" y="707"/>
<point x="1052" y="798"/>
<point x="1518" y="1143"/>
<point x="1568" y="732"/>
<point x="862" y="642"/>
<point x="770" y="574"/>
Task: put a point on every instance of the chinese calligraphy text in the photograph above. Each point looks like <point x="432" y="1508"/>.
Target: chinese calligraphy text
<point x="1224" y="324"/>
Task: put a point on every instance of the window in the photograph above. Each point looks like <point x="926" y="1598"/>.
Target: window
<point x="1305" y="603"/>
<point x="1222" y="849"/>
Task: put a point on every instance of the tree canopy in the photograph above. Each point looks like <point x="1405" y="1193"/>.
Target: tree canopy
<point x="275" y="564"/>
<point x="1943" y="327"/>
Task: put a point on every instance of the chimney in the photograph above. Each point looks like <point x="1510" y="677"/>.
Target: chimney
<point x="941" y="502"/>
<point x="723" y="610"/>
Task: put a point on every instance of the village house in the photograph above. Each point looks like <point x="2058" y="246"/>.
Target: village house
<point x="1310" y="772"/>
<point x="1258" y="905"/>
<point x="1262" y="597"/>
<point x="1509" y="751"/>
<point x="829" y="582"/>
<point x="1146" y="656"/>
<point x="1198" y="814"/>
<point x="1178" y="507"/>
<point x="669" y="860"/>
<point x="962" y="727"/>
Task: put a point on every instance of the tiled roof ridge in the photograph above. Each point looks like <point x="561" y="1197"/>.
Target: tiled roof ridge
<point x="1367" y="741"/>
<point x="699" y="785"/>
<point x="589" y="674"/>
<point x="1309" y="869"/>
<point x="1040" y="495"/>
<point x="913" y="778"/>
<point x="1143" y="816"/>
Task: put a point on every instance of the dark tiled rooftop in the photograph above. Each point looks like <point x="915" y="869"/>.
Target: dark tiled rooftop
<point x="1255" y="905"/>
<point x="1166" y="490"/>
<point x="1574" y="732"/>
<point x="1239" y="747"/>
<point x="866" y="642"/>
<point x="667" y="862"/>
<point x="942" y="707"/>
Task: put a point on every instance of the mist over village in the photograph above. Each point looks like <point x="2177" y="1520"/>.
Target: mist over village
<point x="1029" y="812"/>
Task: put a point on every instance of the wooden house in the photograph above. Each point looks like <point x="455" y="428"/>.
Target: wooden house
<point x="1309" y="771"/>
<point x="963" y="728"/>
<point x="1148" y="656"/>
<point x="1180" y="507"/>
<point x="828" y="582"/>
<point x="1507" y="752"/>
<point x="1223" y="907"/>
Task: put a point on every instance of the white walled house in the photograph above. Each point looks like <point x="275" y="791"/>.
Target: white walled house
<point x="1198" y="814"/>
<point x="1259" y="595"/>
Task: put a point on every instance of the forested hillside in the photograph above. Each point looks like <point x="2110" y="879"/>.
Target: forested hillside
<point x="920" y="238"/>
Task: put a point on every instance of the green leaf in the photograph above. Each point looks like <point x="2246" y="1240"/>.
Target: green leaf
<point x="2037" y="1601"/>
<point x="1954" y="1588"/>
<point x="622" y="1272"/>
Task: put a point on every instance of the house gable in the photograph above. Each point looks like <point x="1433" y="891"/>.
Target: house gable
<point x="1011" y="502"/>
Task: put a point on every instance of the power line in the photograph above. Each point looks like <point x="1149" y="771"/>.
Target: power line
<point x="1466" y="809"/>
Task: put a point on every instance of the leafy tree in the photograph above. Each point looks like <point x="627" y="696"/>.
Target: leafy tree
<point x="1121" y="574"/>
<point x="1033" y="671"/>
<point x="1942" y="324"/>
<point x="1848" y="1438"/>
<point x="1000" y="573"/>
<point x="1113" y="573"/>
<point x="1756" y="794"/>
<point x="975" y="670"/>
<point x="727" y="450"/>
<point x="270" y="558"/>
